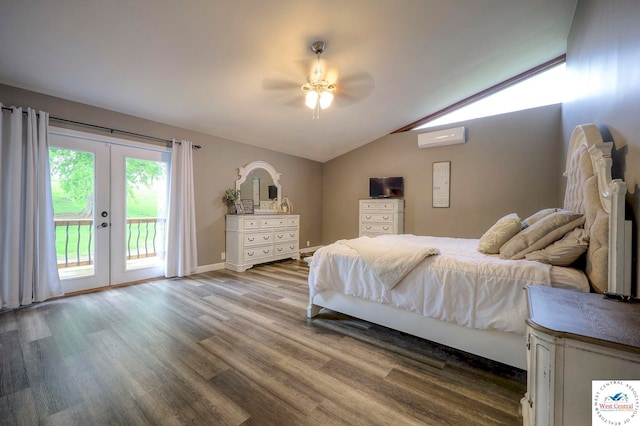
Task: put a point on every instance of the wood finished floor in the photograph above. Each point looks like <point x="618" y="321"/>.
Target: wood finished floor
<point x="223" y="348"/>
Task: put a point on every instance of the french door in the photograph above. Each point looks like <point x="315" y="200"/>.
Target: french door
<point x="110" y="201"/>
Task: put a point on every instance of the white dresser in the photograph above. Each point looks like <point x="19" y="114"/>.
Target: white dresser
<point x="381" y="216"/>
<point x="572" y="339"/>
<point x="255" y="239"/>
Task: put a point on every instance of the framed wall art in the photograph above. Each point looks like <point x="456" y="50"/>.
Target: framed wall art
<point x="441" y="186"/>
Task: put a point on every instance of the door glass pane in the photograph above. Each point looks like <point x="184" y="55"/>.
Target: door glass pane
<point x="72" y="186"/>
<point x="146" y="212"/>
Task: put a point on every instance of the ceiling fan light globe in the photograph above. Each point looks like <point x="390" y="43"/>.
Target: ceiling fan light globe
<point x="325" y="99"/>
<point x="311" y="100"/>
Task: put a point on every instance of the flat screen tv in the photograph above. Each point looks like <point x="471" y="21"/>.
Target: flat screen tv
<point x="386" y="187"/>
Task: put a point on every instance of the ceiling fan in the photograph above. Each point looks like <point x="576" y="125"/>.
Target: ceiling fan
<point x="318" y="88"/>
<point x="323" y="88"/>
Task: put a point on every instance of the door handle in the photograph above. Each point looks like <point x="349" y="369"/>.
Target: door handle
<point x="103" y="225"/>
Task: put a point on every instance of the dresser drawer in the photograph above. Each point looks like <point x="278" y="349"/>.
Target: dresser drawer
<point x="251" y="253"/>
<point x="273" y="222"/>
<point x="291" y="235"/>
<point x="250" y="224"/>
<point x="292" y="221"/>
<point x="257" y="238"/>
<point x="286" y="248"/>
<point x="377" y="217"/>
<point x="377" y="205"/>
<point x="377" y="228"/>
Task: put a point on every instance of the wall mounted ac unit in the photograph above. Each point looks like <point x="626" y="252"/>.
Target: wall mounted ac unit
<point x="442" y="137"/>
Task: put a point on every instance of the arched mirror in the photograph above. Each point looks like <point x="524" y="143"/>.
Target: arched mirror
<point x="260" y="182"/>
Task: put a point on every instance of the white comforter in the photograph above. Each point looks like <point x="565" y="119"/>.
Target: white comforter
<point x="389" y="260"/>
<point x="460" y="285"/>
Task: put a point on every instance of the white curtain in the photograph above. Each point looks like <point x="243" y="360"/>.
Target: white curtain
<point x="182" y="253"/>
<point x="28" y="266"/>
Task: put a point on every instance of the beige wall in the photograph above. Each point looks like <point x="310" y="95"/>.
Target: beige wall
<point x="215" y="167"/>
<point x="603" y="52"/>
<point x="510" y="163"/>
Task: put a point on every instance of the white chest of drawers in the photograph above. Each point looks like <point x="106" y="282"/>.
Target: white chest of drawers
<point x="384" y="216"/>
<point x="255" y="239"/>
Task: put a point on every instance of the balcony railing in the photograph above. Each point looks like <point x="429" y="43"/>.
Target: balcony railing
<point x="141" y="237"/>
<point x="74" y="240"/>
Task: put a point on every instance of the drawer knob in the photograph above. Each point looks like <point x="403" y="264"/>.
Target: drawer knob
<point x="251" y="238"/>
<point x="266" y="237"/>
<point x="385" y="217"/>
<point x="386" y="228"/>
<point x="250" y="253"/>
<point x="265" y="251"/>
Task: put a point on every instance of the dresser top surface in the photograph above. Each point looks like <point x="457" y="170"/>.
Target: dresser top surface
<point x="585" y="316"/>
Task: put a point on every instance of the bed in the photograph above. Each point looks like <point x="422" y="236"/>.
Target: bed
<point x="468" y="293"/>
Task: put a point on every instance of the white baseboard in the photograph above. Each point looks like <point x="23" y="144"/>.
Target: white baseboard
<point x="211" y="267"/>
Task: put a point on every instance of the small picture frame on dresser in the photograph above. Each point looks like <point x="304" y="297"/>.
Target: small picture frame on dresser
<point x="247" y="206"/>
<point x="239" y="208"/>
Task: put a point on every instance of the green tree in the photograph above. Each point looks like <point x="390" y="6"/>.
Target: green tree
<point x="142" y="173"/>
<point x="75" y="172"/>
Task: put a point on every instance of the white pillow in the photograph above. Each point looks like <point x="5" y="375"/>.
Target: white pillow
<point x="565" y="251"/>
<point x="499" y="233"/>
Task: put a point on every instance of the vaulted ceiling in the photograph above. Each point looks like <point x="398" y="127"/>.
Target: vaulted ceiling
<point x="233" y="69"/>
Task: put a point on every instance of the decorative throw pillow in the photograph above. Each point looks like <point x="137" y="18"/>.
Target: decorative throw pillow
<point x="499" y="233"/>
<point x="542" y="233"/>
<point x="537" y="216"/>
<point x="565" y="251"/>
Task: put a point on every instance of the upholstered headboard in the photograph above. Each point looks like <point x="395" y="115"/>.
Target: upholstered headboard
<point x="591" y="191"/>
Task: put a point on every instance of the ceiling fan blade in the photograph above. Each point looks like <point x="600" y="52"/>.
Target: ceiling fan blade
<point x="360" y="77"/>
<point x="353" y="88"/>
<point x="297" y="102"/>
<point x="280" y="84"/>
<point x="295" y="75"/>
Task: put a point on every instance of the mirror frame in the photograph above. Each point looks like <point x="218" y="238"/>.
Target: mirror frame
<point x="246" y="170"/>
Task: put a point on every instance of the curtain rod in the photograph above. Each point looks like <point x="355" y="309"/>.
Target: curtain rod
<point x="107" y="129"/>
